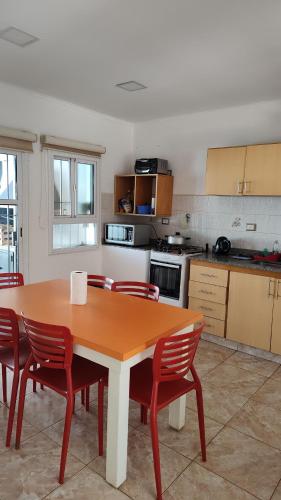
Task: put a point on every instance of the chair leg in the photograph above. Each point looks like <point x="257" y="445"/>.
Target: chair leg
<point x="34" y="383"/>
<point x="21" y="408"/>
<point x="143" y="412"/>
<point x="87" y="391"/>
<point x="12" y="407"/>
<point x="156" y="455"/>
<point x="100" y="416"/>
<point x="83" y="397"/>
<point x="200" y="411"/>
<point x="66" y="434"/>
<point x="4" y="383"/>
<point x="42" y="387"/>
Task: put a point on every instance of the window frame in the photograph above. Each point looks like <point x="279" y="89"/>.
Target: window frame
<point x="73" y="218"/>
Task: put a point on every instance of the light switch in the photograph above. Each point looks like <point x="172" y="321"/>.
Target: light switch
<point x="251" y="227"/>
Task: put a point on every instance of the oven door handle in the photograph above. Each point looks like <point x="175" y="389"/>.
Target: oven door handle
<point x="162" y="264"/>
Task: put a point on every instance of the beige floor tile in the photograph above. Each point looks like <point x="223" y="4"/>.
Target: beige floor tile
<point x="32" y="472"/>
<point x="86" y="485"/>
<point x="210" y="355"/>
<point x="235" y="379"/>
<point x="27" y="429"/>
<point x="246" y="462"/>
<point x="140" y="483"/>
<point x="84" y="434"/>
<point x="186" y="441"/>
<point x="269" y="394"/>
<point x="29" y="386"/>
<point x="220" y="403"/>
<point x="134" y="414"/>
<point x="203" y="485"/>
<point x="45" y="408"/>
<point x="277" y="375"/>
<point x="253" y="364"/>
<point x="277" y="493"/>
<point x="259" y="421"/>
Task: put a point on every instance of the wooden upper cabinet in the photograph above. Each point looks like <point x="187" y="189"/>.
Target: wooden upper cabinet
<point x="250" y="307"/>
<point x="225" y="171"/>
<point x="263" y="170"/>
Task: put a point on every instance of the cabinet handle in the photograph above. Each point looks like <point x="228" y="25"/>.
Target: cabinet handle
<point x="269" y="288"/>
<point x="278" y="296"/>
<point x="246" y="190"/>
<point x="206" y="292"/>
<point x="239" y="187"/>
<point x="208" y="275"/>
<point x="204" y="308"/>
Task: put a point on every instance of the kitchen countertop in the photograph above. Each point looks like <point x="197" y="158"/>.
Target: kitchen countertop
<point x="228" y="262"/>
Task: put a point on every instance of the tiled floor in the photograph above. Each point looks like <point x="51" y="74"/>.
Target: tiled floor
<point x="243" y="428"/>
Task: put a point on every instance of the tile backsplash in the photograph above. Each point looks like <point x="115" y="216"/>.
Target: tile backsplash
<point x="213" y="216"/>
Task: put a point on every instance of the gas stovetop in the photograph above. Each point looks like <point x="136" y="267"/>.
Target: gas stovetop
<point x="163" y="247"/>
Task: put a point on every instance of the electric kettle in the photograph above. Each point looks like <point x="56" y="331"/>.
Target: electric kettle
<point x="222" y="246"/>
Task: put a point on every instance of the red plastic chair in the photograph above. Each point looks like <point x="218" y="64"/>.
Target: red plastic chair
<point x="137" y="289"/>
<point x="61" y="371"/>
<point x="99" y="281"/>
<point x="9" y="280"/>
<point x="14" y="352"/>
<point x="157" y="382"/>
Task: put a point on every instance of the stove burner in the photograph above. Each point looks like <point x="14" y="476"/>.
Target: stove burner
<point x="162" y="246"/>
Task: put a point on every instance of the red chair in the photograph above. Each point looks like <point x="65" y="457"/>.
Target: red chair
<point x="99" y="281"/>
<point x="157" y="382"/>
<point x="137" y="289"/>
<point x="14" y="352"/>
<point x="9" y="280"/>
<point x="61" y="371"/>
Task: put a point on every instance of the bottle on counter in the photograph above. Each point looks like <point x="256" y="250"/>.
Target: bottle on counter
<point x="276" y="247"/>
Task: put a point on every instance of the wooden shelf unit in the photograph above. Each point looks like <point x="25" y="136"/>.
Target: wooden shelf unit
<point x="143" y="188"/>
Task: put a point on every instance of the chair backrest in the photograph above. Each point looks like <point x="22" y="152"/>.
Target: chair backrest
<point x="137" y="289"/>
<point x="51" y="345"/>
<point x="99" y="281"/>
<point x="9" y="328"/>
<point x="10" y="280"/>
<point x="173" y="356"/>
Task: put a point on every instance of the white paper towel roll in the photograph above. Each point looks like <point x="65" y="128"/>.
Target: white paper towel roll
<point x="78" y="287"/>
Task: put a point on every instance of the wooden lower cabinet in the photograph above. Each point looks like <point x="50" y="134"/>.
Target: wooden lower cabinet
<point x="250" y="307"/>
<point x="276" y="323"/>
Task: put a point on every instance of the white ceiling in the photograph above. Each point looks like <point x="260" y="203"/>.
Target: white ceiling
<point x="191" y="54"/>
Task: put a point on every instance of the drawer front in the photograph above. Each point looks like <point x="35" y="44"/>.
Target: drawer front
<point x="208" y="292"/>
<point x="208" y="308"/>
<point x="214" y="326"/>
<point x="208" y="275"/>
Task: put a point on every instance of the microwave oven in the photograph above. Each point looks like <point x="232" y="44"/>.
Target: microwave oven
<point x="127" y="234"/>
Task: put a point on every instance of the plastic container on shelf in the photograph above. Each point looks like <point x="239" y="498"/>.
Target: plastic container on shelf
<point x="144" y="209"/>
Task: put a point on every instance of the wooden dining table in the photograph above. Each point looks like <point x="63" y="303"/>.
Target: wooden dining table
<point x="115" y="330"/>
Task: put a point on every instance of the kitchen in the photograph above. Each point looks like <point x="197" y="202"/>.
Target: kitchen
<point x="87" y="101"/>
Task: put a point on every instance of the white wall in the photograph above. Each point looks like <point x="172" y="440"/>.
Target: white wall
<point x="184" y="141"/>
<point x="40" y="114"/>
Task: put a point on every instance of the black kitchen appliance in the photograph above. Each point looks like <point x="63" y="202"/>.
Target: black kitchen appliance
<point x="151" y="166"/>
<point x="222" y="246"/>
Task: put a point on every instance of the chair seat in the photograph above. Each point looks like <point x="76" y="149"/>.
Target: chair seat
<point x="141" y="381"/>
<point x="84" y="372"/>
<point x="7" y="355"/>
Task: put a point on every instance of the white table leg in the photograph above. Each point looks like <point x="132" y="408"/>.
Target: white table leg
<point x="177" y="413"/>
<point x="117" y="424"/>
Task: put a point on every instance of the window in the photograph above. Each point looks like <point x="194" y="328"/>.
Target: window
<point x="74" y="202"/>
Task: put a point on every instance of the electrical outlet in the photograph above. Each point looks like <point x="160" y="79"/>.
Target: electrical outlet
<point x="251" y="226"/>
<point x="165" y="220"/>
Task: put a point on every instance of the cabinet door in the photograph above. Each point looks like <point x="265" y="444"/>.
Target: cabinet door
<point x="276" y="324"/>
<point x="225" y="171"/>
<point x="263" y="170"/>
<point x="250" y="306"/>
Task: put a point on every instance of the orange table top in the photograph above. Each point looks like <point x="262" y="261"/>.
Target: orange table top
<point x="117" y="325"/>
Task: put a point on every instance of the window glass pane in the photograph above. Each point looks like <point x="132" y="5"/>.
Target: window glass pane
<point x="8" y="176"/>
<point x="8" y="239"/>
<point x="85" y="188"/>
<point x="73" y="235"/>
<point x="62" y="195"/>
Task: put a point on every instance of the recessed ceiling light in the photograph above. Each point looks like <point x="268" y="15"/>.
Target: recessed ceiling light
<point x="131" y="86"/>
<point x="18" y="37"/>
